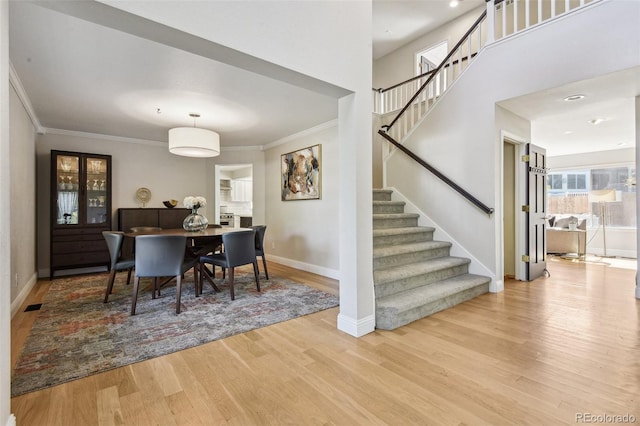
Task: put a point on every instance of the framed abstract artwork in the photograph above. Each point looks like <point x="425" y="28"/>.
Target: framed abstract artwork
<point x="301" y="174"/>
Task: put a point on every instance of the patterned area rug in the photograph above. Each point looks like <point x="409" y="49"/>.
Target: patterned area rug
<point x="76" y="335"/>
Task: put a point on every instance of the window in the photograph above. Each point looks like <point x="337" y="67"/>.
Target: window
<point x="571" y="192"/>
<point x="554" y="181"/>
<point x="576" y="181"/>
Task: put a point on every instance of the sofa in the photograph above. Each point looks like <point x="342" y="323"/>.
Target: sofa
<point x="559" y="238"/>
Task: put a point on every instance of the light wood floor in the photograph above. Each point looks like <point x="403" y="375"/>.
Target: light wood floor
<point x="539" y="353"/>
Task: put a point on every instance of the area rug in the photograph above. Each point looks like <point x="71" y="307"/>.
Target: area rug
<point x="76" y="334"/>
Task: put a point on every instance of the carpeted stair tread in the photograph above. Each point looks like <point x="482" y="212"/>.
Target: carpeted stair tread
<point x="395" y="273"/>
<point x="379" y="252"/>
<point x="415" y="297"/>
<point x="395" y="215"/>
<point x="383" y="232"/>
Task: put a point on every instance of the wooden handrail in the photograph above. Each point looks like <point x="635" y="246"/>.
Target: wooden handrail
<point x="438" y="174"/>
<point x="404" y="82"/>
<point x="421" y="75"/>
<point x="442" y="64"/>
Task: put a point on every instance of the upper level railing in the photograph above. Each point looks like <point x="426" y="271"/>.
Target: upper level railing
<point x="433" y="85"/>
<point x="508" y="17"/>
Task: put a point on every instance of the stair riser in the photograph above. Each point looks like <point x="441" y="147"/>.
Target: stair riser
<point x="389" y="319"/>
<point x="408" y="258"/>
<point x="395" y="223"/>
<point x="388" y="208"/>
<point x="394" y="240"/>
<point x="386" y="289"/>
<point x="382" y="195"/>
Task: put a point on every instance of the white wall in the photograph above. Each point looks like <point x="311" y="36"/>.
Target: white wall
<point x="5" y="221"/>
<point x="459" y="136"/>
<point x="305" y="233"/>
<point x="23" y="200"/>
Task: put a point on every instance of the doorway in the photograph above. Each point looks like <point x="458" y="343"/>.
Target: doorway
<point x="513" y="197"/>
<point x="234" y="195"/>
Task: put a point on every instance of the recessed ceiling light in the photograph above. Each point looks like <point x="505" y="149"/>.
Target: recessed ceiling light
<point x="621" y="143"/>
<point x="596" y="121"/>
<point x="568" y="132"/>
<point x="453" y="3"/>
<point x="574" y="98"/>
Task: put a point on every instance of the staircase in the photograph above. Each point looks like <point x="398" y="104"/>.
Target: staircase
<point x="413" y="275"/>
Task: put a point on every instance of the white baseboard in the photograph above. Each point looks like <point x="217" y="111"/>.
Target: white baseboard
<point x="496" y="286"/>
<point x="356" y="328"/>
<point x="315" y="269"/>
<point x="11" y="421"/>
<point x="22" y="296"/>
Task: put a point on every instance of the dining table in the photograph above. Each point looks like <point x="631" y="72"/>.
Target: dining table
<point x="208" y="235"/>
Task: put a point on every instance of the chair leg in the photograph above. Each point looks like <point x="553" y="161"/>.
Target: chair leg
<point x="264" y="263"/>
<point x="129" y="276"/>
<point x="178" y="292"/>
<point x="233" y="295"/>
<point x="256" y="273"/>
<point x="155" y="288"/>
<point x="134" y="300"/>
<point x="112" y="278"/>
<point x="204" y="273"/>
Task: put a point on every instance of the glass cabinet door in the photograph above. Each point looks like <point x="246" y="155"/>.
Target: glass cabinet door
<point x="96" y="199"/>
<point x="68" y="189"/>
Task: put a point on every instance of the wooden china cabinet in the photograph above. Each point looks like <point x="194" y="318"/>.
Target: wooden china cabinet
<point x="80" y="210"/>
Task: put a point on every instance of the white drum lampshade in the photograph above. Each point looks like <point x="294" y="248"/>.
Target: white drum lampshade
<point x="194" y="142"/>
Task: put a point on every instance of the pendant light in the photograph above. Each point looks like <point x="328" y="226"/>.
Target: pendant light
<point x="194" y="142"/>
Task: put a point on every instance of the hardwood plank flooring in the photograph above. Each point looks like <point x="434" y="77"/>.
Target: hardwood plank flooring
<point x="541" y="352"/>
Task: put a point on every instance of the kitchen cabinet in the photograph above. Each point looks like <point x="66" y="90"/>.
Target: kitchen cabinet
<point x="80" y="210"/>
<point x="241" y="190"/>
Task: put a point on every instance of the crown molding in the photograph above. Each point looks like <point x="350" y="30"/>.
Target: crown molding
<point x="14" y="80"/>
<point x="63" y="132"/>
<point x="159" y="144"/>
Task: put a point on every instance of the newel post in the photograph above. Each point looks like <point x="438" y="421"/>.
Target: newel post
<point x="491" y="22"/>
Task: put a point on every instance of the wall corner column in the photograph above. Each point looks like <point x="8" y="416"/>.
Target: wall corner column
<point x="357" y="313"/>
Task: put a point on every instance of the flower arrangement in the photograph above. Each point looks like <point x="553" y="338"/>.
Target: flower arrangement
<point x="194" y="203"/>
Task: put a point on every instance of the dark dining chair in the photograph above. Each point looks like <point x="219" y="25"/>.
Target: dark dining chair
<point x="260" y="231"/>
<point x="162" y="256"/>
<point x="114" y="241"/>
<point x="239" y="249"/>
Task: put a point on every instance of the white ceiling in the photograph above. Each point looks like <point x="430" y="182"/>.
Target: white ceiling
<point x="85" y="77"/>
<point x="397" y="22"/>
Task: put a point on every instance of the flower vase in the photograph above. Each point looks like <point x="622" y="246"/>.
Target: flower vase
<point x="195" y="222"/>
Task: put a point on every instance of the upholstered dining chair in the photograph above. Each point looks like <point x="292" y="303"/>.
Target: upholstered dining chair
<point x="114" y="241"/>
<point x="260" y="231"/>
<point x="162" y="256"/>
<point x="239" y="249"/>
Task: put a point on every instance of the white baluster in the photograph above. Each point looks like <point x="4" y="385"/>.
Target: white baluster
<point x="539" y="11"/>
<point x="527" y="15"/>
<point x="504" y="20"/>
<point x="515" y="16"/>
<point x="553" y="9"/>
